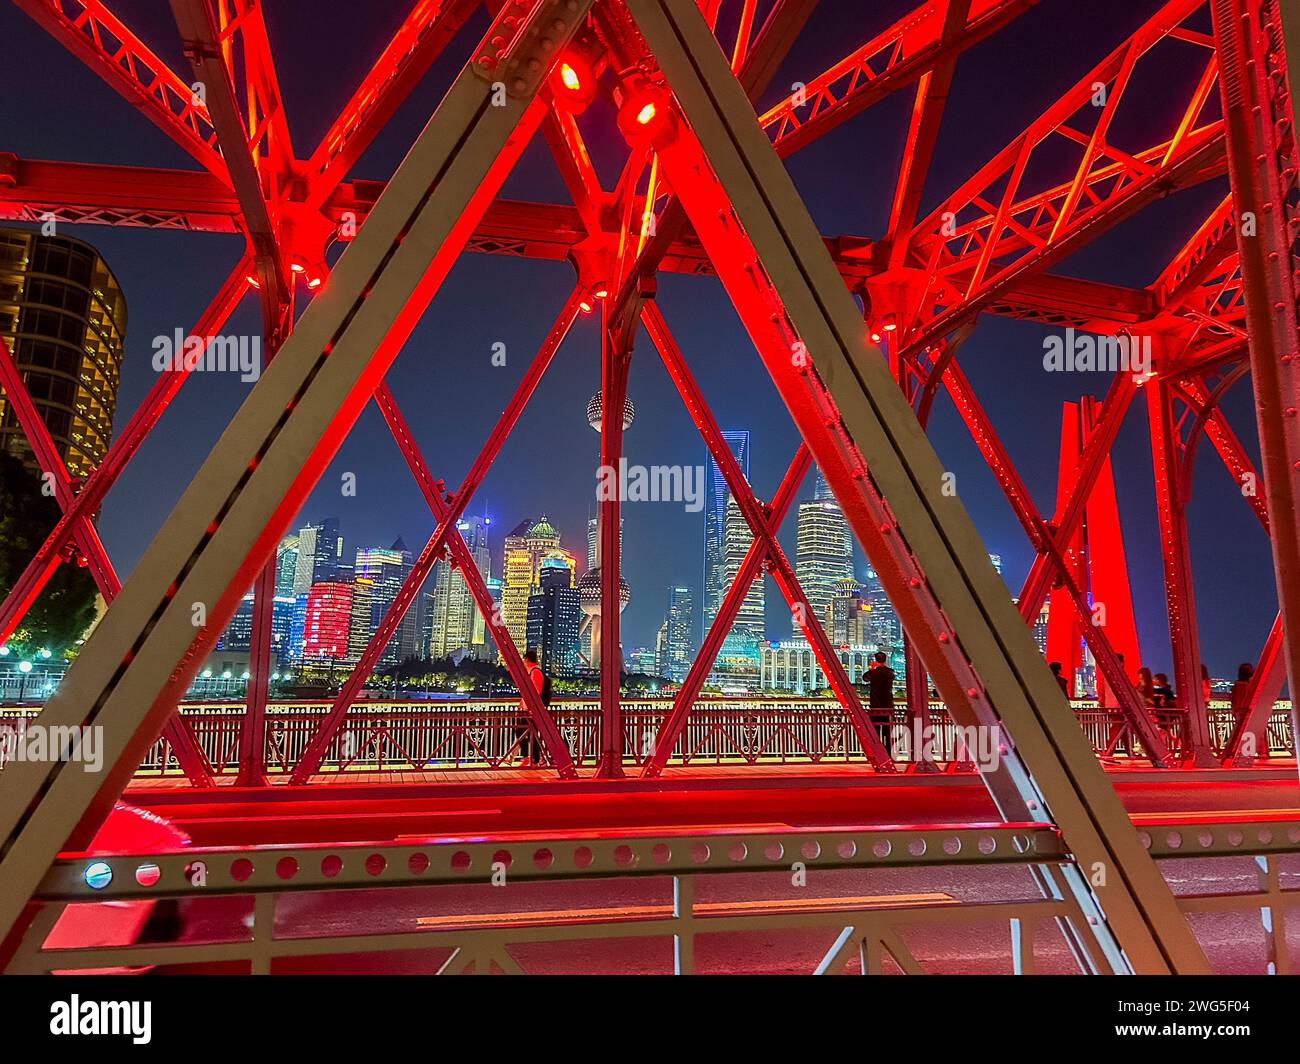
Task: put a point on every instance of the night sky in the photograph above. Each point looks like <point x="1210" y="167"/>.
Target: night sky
<point x="55" y="108"/>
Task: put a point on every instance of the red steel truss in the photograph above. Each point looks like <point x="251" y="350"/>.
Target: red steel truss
<point x="1224" y="307"/>
<point x="700" y="192"/>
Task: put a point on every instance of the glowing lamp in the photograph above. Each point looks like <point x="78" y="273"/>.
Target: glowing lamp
<point x="646" y="113"/>
<point x="253" y="282"/>
<point x="573" y="83"/>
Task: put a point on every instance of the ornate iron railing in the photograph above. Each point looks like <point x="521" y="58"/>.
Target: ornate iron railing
<point x="486" y="733"/>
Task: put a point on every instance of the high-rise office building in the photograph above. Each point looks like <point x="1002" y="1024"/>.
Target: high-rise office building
<point x="297" y="626"/>
<point x="737" y="664"/>
<point x="239" y="632"/>
<point x="737" y="538"/>
<point x="660" y="651"/>
<point x="63" y="316"/>
<point x="286" y="565"/>
<point x="848" y="617"/>
<point x="531" y="543"/>
<point x="885" y="629"/>
<point x="326" y="620"/>
<point x="554" y="615"/>
<point x="320" y="555"/>
<point x="359" y="630"/>
<point x="673" y="659"/>
<point x="716" y="494"/>
<point x="455" y="624"/>
<point x="386" y="568"/>
<point x="824" y="548"/>
<point x="1040" y="629"/>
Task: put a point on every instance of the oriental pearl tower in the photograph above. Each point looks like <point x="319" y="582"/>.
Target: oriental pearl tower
<point x="589" y="583"/>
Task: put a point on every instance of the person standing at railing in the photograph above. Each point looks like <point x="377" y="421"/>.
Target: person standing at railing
<point x="1146" y="686"/>
<point x="1241" y="699"/>
<point x="1060" y="680"/>
<point x="1162" y="692"/>
<point x="542" y="684"/>
<point x="880" y="694"/>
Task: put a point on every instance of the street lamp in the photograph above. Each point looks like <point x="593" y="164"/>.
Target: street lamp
<point x="24" y="667"/>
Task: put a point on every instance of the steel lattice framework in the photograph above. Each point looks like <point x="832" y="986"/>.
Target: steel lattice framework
<point x="703" y="191"/>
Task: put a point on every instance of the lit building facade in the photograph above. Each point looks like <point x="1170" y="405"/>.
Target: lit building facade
<point x="792" y="666"/>
<point x="327" y="617"/>
<point x="454" y="622"/>
<point x="824" y="548"/>
<point x="716" y="494"/>
<point x="677" y="647"/>
<point x="525" y="549"/>
<point x="320" y="555"/>
<point x="63" y="316"/>
<point x="386" y="568"/>
<point x="554" y="617"/>
<point x="848" y="618"/>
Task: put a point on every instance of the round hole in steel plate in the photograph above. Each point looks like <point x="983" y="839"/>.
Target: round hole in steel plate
<point x="661" y="854"/>
<point x="774" y="851"/>
<point x="623" y="855"/>
<point x="917" y="847"/>
<point x="376" y="863"/>
<point x="882" y="848"/>
<point x="1174" y="840"/>
<point x="847" y="849"/>
<point x="987" y="845"/>
<point x="417" y="864"/>
<point x="543" y="859"/>
<point x="811" y="850"/>
<point x="738" y="852"/>
<point x="286" y="867"/>
<point x="582" y="857"/>
<point x="241" y="869"/>
<point x="460" y="861"/>
<point x="331" y="865"/>
<point x="504" y="858"/>
<point x="700" y="852"/>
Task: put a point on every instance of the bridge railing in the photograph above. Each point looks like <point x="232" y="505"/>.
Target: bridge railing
<point x="476" y="734"/>
<point x="470" y="734"/>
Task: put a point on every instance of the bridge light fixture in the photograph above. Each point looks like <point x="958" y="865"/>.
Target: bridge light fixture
<point x="646" y="112"/>
<point x="574" y="83"/>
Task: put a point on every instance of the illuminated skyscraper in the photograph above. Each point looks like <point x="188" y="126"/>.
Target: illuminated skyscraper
<point x="320" y="554"/>
<point x="455" y="624"/>
<point x="737" y="664"/>
<point x="554" y="616"/>
<point x="824" y="548"/>
<point x="716" y="494"/>
<point x="326" y="619"/>
<point x="673" y="659"/>
<point x="286" y="565"/>
<point x="526" y="548"/>
<point x="736" y="541"/>
<point x="359" y="630"/>
<point x="848" y="617"/>
<point x="386" y="568"/>
<point x="64" y="318"/>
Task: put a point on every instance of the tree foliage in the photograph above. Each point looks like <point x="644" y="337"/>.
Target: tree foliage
<point x="66" y="608"/>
